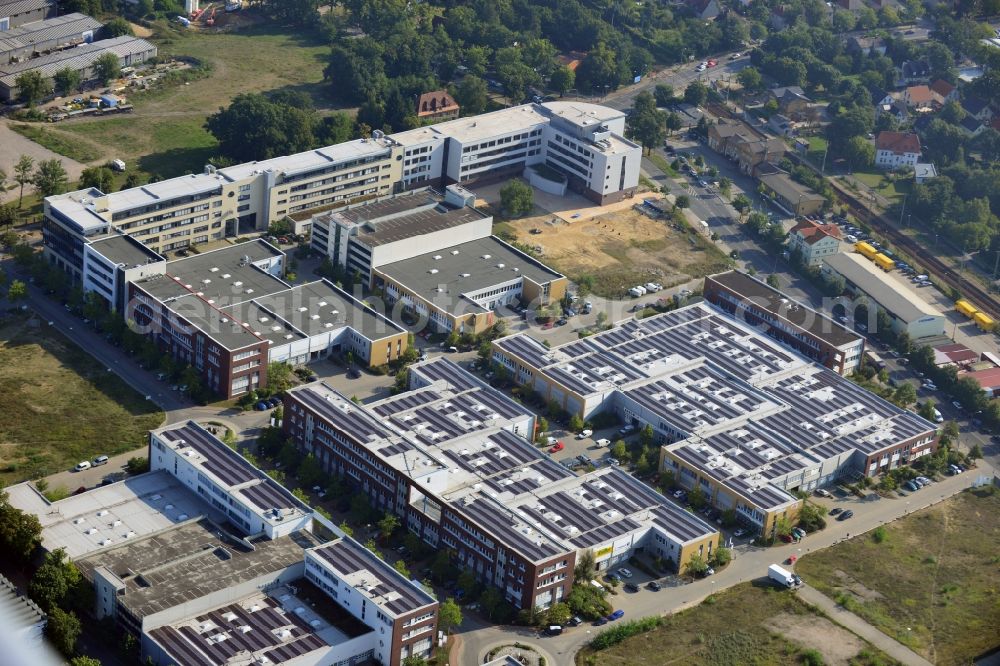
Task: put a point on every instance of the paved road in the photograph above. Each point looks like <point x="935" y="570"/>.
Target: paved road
<point x="859" y="626"/>
<point x="749" y="563"/>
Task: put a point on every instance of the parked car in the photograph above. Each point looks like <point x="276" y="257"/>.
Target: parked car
<point x="956" y="404"/>
<point x="353" y="373"/>
<point x="836" y="511"/>
<point x="739" y="532"/>
<point x="626" y="430"/>
<point x="261" y="406"/>
<point x="575" y="621"/>
<point x="623" y="572"/>
<point x="99" y="460"/>
<point x="80" y="466"/>
<point x="613" y="577"/>
<point x="911" y="486"/>
<point x="631" y="587"/>
<point x="557" y="447"/>
<point x="617" y="615"/>
<point x="847" y="515"/>
<point x="654" y="586"/>
<point x="603" y="443"/>
<point x="584" y="434"/>
<point x="600" y="622"/>
<point x="820" y="492"/>
<point x="924" y="480"/>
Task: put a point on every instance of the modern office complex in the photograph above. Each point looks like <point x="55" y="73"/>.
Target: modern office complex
<point x="740" y="417"/>
<point x="451" y="458"/>
<point x="794" y="325"/>
<point x="210" y="562"/>
<point x="436" y="255"/>
<point x="228" y="314"/>
<point x="583" y="142"/>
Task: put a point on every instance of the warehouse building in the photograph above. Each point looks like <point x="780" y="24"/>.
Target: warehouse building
<point x="206" y="560"/>
<point x="699" y="379"/>
<point x="228" y="314"/>
<point x="814" y="335"/>
<point x="909" y="313"/>
<point x="15" y="13"/>
<point x="130" y="51"/>
<point x="41" y="37"/>
<point x="452" y="458"/>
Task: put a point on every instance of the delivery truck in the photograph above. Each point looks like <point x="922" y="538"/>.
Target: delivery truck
<point x="865" y="249"/>
<point x="965" y="307"/>
<point x="884" y="262"/>
<point x="781" y="576"/>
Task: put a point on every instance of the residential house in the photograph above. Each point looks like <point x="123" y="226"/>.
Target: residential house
<point x="571" y="59"/>
<point x="924" y="171"/>
<point x="703" y="9"/>
<point x="791" y="100"/>
<point x="814" y="241"/>
<point x="971" y="125"/>
<point x="866" y="45"/>
<point x="919" y="97"/>
<point x="722" y="134"/>
<point x="781" y="125"/>
<point x="752" y="151"/>
<point x="893" y="105"/>
<point x="914" y="71"/>
<point x="796" y="198"/>
<point x="436" y="106"/>
<point x="896" y="149"/>
<point x="977" y="108"/>
<point x="944" y="91"/>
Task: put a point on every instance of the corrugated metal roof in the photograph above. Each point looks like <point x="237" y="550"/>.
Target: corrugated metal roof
<point x="78" y="57"/>
<point x="22" y="6"/>
<point x="41" y="32"/>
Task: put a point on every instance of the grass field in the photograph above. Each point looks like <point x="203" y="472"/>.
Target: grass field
<point x="74" y="148"/>
<point x="892" y="190"/>
<point x="932" y="583"/>
<point x="58" y="405"/>
<point x="743" y="625"/>
<point x="165" y="134"/>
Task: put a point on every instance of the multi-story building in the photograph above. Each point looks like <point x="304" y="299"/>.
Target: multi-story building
<point x="450" y="458"/>
<point x="582" y="141"/>
<point x="697" y="375"/>
<point x="228" y="314"/>
<point x="14" y="13"/>
<point x="208" y="561"/>
<point x="897" y="149"/>
<point x="798" y="327"/>
<point x="814" y="241"/>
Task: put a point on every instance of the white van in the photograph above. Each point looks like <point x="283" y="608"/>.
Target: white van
<point x="637" y="291"/>
<point x="937" y="416"/>
<point x="82" y="466"/>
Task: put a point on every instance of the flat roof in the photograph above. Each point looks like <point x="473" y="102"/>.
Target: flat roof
<point x="271" y="627"/>
<point x="121" y="249"/>
<point x="309" y="160"/>
<point x="888" y="290"/>
<point x="368" y="574"/>
<point x="377" y="210"/>
<point x="583" y="114"/>
<point x="485" y="125"/>
<point x="164" y="190"/>
<point x="77" y="208"/>
<point x="799" y="315"/>
<point x="465" y="268"/>
<point x="116" y="513"/>
<point x="191" y="561"/>
<point x="419" y="223"/>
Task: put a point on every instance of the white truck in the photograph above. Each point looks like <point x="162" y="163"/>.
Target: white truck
<point x="781" y="577"/>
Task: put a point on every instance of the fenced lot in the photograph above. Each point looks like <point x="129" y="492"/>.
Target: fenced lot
<point x="930" y="580"/>
<point x="59" y="406"/>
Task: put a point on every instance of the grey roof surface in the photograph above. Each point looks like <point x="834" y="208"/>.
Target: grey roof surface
<point x="79" y="57"/>
<point x="17" y="611"/>
<point x="774" y="301"/>
<point x="59" y="29"/>
<point x="885" y="288"/>
<point x="383" y="585"/>
<point x="415" y="273"/>
<point x="188" y="562"/>
<point x="376" y="210"/>
<point x="417" y="224"/>
<point x="121" y="249"/>
<point x="13" y="7"/>
<point x="788" y="189"/>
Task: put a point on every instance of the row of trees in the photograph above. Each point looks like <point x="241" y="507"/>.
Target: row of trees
<point x="33" y="86"/>
<point x="48" y="176"/>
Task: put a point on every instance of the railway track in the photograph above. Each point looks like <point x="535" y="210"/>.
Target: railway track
<point x="985" y="301"/>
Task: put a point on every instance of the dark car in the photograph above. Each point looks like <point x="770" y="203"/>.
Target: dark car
<point x="261" y="406"/>
<point x="631" y="587"/>
<point x="834" y="512"/>
<point x="353" y="373"/>
<point x="575" y="621"/>
<point x="562" y="322"/>
<point x="654" y="586"/>
<point x="847" y="515"/>
<point x="617" y="615"/>
<point x="613" y="577"/>
<point x="600" y="621"/>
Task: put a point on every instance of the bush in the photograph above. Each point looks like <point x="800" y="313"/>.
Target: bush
<point x="812" y="658"/>
<point x="617" y="634"/>
<point x="879" y="534"/>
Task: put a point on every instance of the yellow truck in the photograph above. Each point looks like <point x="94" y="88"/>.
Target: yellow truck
<point x="884" y="262"/>
<point x="965" y="307"/>
<point x="984" y="322"/>
<point x="865" y="249"/>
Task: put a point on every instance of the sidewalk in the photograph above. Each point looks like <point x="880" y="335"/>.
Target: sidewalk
<point x="857" y="625"/>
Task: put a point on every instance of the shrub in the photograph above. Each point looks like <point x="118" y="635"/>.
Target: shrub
<point x="879" y="534"/>
<point x="617" y="634"/>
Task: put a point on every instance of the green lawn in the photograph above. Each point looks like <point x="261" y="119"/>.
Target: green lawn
<point x="58" y="405"/>
<point x="734" y="627"/>
<point x="75" y="148"/>
<point x="932" y="583"/>
<point x="165" y="135"/>
<point x="892" y="190"/>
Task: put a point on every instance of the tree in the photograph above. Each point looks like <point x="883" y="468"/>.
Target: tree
<point x="905" y="395"/>
<point x="118" y="27"/>
<point x="559" y="613"/>
<point x="585" y="566"/>
<point x="23" y="173"/>
<point x="674" y="122"/>
<point x="859" y="152"/>
<point x="345" y="528"/>
<point x="489" y="601"/>
<point x="449" y="615"/>
<point x="100" y="177"/>
<point x="682" y="201"/>
<point x="562" y="80"/>
<point x="575" y="423"/>
<point x="472" y="95"/>
<point x="926" y="410"/>
<point x="620" y="452"/>
<point x="53" y="581"/>
<point x="20" y="532"/>
<point x="279" y="376"/>
<point x="401" y="568"/>
<point x="388" y="525"/>
<point x="107" y="68"/>
<point x="31" y="87"/>
<point x="742" y="203"/>
<point x="976" y="452"/>
<point x="50" y="178"/>
<point x="696" y="498"/>
<point x="253" y="127"/>
<point x="663" y="93"/>
<point x="63" y="629"/>
<point x="750" y="79"/>
<point x="646" y="123"/>
<point x="772" y="280"/>
<point x="517" y="198"/>
<point x="137" y="465"/>
<point x="723" y="556"/>
<point x="87" y="661"/>
<point x="310" y="471"/>
<point x="17" y="291"/>
<point x="696" y="566"/>
<point x="696" y="93"/>
<point x="67" y="80"/>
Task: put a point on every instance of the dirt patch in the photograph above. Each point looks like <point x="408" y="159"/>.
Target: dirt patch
<point x="849" y="584"/>
<point x="837" y="645"/>
<point x="620" y="249"/>
<point x="141" y="31"/>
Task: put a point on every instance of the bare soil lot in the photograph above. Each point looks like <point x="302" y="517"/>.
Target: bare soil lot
<point x="620" y="250"/>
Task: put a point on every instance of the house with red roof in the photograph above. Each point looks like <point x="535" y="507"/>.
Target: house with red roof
<point x="437" y="106"/>
<point x="814" y="241"/>
<point x="944" y="91"/>
<point x="897" y="149"/>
